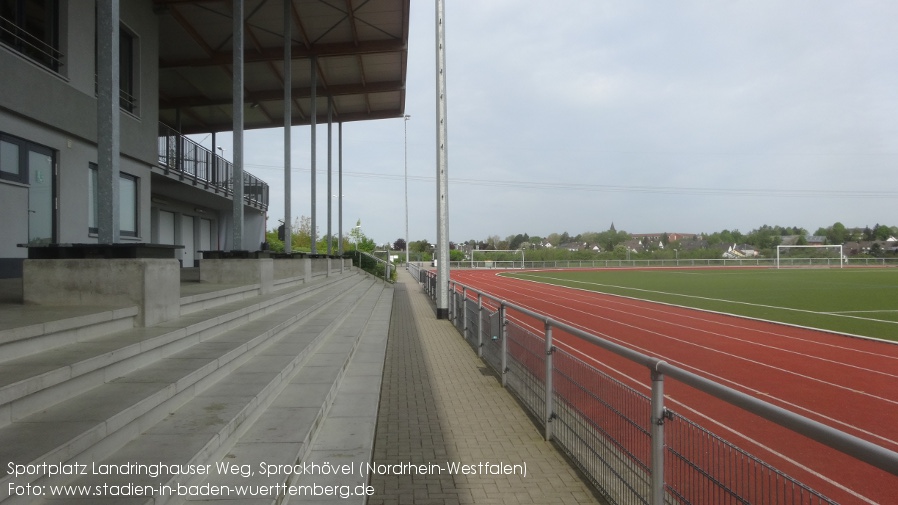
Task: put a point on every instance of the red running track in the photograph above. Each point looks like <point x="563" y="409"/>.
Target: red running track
<point x="848" y="383"/>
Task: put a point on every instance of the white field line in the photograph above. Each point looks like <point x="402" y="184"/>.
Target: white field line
<point x="732" y="430"/>
<point x="590" y="299"/>
<point x="738" y="384"/>
<point x="885" y="311"/>
<point x="697" y="309"/>
<point x="759" y="363"/>
<point x="776" y="307"/>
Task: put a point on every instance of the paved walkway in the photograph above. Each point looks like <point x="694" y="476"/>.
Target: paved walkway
<point x="439" y="405"/>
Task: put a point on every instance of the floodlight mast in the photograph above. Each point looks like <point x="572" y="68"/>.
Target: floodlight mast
<point x="442" y="168"/>
<point x="405" y="121"/>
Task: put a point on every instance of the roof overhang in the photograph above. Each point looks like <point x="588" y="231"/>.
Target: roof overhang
<point x="360" y="49"/>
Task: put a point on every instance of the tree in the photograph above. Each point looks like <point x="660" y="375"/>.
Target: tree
<point x="399" y="245"/>
<point x="881" y="232"/>
<point x="359" y="240"/>
<point x="302" y="233"/>
<point x="837" y="234"/>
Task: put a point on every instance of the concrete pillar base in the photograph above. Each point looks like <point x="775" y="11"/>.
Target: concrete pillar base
<point x="154" y="285"/>
<point x="239" y="271"/>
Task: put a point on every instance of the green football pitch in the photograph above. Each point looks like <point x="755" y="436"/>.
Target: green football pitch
<point x="857" y="301"/>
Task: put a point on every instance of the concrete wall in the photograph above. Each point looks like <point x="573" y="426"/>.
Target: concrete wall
<point x="292" y="268"/>
<point x="239" y="271"/>
<point x="153" y="285"/>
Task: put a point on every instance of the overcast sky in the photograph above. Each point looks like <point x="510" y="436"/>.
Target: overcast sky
<point x="678" y="116"/>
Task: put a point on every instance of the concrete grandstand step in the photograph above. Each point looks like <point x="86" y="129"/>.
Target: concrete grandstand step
<point x="27" y="329"/>
<point x="35" y="382"/>
<point x="328" y="409"/>
<point x="248" y="402"/>
<point x="195" y="297"/>
<point x="346" y="437"/>
<point x="96" y="421"/>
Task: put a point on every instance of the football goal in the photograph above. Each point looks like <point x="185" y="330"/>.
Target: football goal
<point x="809" y="255"/>
<point x="497" y="258"/>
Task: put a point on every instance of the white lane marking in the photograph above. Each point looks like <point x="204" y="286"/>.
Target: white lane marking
<point x="735" y="302"/>
<point x="745" y="387"/>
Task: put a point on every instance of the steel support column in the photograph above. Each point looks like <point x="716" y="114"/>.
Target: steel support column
<point x="237" y="90"/>
<point x="503" y="342"/>
<point x="288" y="122"/>
<point x="108" y="120"/>
<point x="550" y="386"/>
<point x="442" y="169"/>
<point x="657" y="433"/>
<point x="330" y="193"/>
<point x="340" y="190"/>
<point x="405" y="144"/>
<point x="313" y="114"/>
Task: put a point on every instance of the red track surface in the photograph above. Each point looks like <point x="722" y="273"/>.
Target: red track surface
<point x="848" y="383"/>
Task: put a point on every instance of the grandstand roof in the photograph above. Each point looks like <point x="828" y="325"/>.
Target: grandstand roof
<point x="361" y="48"/>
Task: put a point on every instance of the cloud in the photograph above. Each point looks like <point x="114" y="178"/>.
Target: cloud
<point x="571" y="114"/>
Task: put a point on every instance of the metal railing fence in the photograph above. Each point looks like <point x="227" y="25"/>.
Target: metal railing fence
<point x="187" y="158"/>
<point x="633" y="448"/>
<point x="372" y="264"/>
<point x="645" y="263"/>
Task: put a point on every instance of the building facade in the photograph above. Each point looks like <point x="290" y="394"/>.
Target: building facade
<point x="170" y="191"/>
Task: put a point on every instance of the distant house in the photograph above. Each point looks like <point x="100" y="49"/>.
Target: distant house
<point x="866" y="246"/>
<point x="808" y="239"/>
<point x="816" y="239"/>
<point x="738" y="251"/>
<point x="671" y="237"/>
<point x="574" y="246"/>
<point x="634" y="245"/>
<point x="693" y="244"/>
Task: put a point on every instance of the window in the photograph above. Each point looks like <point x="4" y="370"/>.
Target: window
<point x="10" y="162"/>
<point x="127" y="67"/>
<point x="127" y="202"/>
<point x="31" y="27"/>
<point x="14" y="158"/>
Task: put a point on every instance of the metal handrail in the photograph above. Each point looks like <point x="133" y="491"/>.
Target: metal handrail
<point x="682" y="262"/>
<point x="186" y="157"/>
<point x="52" y="57"/>
<point x="387" y="265"/>
<point x="862" y="450"/>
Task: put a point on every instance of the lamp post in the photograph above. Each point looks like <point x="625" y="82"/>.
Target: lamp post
<point x="358" y="236"/>
<point x="405" y="123"/>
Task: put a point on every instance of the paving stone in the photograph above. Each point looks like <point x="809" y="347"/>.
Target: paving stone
<point x="436" y="407"/>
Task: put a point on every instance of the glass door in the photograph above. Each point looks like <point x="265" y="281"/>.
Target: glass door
<point x="41" y="210"/>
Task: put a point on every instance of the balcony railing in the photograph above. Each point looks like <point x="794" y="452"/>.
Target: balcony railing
<point x="192" y="161"/>
<point x="20" y="38"/>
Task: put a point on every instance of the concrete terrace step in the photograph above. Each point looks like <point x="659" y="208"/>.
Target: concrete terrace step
<point x="329" y="404"/>
<point x="130" y="398"/>
<point x="30" y="329"/>
<point x="37" y="381"/>
<point x="268" y="405"/>
<point x="346" y="437"/>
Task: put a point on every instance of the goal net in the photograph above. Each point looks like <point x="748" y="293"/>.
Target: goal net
<point x="497" y="258"/>
<point x="809" y="255"/>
